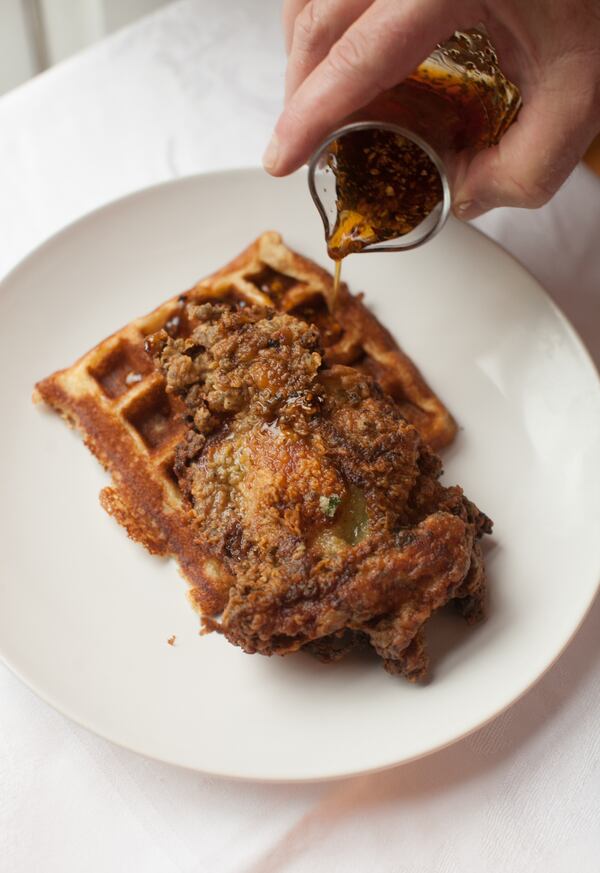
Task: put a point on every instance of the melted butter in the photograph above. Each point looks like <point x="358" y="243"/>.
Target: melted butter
<point x="350" y="526"/>
<point x="352" y="521"/>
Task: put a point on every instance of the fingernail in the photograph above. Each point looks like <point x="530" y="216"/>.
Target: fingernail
<point x="271" y="154"/>
<point x="468" y="209"/>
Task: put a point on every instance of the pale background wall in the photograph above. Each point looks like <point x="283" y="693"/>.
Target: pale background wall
<point x="34" y="34"/>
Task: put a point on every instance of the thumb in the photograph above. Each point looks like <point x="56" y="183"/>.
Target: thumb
<point x="535" y="156"/>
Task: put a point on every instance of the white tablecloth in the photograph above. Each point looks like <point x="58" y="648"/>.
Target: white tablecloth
<point x="197" y="87"/>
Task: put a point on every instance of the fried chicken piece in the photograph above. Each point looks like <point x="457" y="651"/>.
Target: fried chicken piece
<point x="319" y="502"/>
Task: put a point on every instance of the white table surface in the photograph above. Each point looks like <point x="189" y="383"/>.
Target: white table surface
<point x="193" y="88"/>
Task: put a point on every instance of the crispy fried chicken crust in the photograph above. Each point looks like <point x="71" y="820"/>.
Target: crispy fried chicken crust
<point x="319" y="503"/>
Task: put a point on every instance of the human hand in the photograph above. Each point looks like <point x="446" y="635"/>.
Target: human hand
<point x="343" y="53"/>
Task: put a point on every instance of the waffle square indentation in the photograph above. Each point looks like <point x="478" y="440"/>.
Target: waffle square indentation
<point x="153" y="416"/>
<point x="272" y="282"/>
<point x="125" y="366"/>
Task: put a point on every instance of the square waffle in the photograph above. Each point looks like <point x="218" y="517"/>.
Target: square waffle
<point x="115" y="396"/>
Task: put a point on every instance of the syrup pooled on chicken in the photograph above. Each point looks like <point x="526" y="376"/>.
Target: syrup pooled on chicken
<point x="319" y="505"/>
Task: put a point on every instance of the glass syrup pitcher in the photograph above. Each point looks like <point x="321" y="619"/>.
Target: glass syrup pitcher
<point x="383" y="181"/>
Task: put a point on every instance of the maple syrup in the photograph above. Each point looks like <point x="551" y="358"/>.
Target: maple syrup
<point x="337" y="277"/>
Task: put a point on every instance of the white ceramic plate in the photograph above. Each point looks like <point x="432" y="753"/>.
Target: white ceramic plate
<point x="85" y="614"/>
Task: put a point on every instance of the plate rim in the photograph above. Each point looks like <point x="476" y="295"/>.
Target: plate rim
<point x="586" y="359"/>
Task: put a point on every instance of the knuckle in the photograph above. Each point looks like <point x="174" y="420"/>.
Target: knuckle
<point x="528" y="193"/>
<point x="535" y="195"/>
<point x="348" y="57"/>
<point x="309" y="28"/>
<point x="521" y="187"/>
